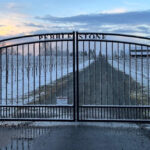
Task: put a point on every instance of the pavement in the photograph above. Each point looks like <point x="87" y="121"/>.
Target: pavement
<point x="76" y="136"/>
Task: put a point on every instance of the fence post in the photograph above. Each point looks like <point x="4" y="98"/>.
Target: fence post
<point x="0" y="81"/>
<point x="74" y="77"/>
<point x="77" y="78"/>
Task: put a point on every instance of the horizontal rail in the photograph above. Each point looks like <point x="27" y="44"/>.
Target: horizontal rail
<point x="36" y="106"/>
<point x="35" y="119"/>
<point x="34" y="42"/>
<point x="113" y="41"/>
<point x="148" y="50"/>
<point x="35" y="35"/>
<point x="140" y="55"/>
<point x="115" y="106"/>
<point x="79" y="33"/>
<point x="123" y="113"/>
<point x="33" y="78"/>
<point x="72" y="120"/>
<point x="117" y="120"/>
<point x="114" y="34"/>
<point x="35" y="113"/>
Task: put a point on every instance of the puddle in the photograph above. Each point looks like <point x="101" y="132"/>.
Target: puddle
<point x="19" y="138"/>
<point x="73" y="137"/>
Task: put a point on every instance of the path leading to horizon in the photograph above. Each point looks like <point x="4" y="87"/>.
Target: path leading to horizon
<point x="99" y="84"/>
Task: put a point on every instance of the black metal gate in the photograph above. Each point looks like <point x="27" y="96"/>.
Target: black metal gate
<point x="37" y="77"/>
<point x="114" y="84"/>
<point x="75" y="76"/>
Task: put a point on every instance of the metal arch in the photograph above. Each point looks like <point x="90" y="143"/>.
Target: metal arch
<point x="34" y="35"/>
<point x="115" y="34"/>
<point x="92" y="112"/>
<point x="31" y="111"/>
<point x="37" y="35"/>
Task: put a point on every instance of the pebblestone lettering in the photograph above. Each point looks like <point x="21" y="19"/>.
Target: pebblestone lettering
<point x="55" y="36"/>
<point x="92" y="36"/>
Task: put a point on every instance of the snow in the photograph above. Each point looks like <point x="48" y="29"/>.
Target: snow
<point x="23" y="82"/>
<point x="137" y="68"/>
<point x="30" y="78"/>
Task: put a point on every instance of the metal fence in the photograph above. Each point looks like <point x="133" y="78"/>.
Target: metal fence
<point x="114" y="86"/>
<point x="75" y="76"/>
<point x="37" y="74"/>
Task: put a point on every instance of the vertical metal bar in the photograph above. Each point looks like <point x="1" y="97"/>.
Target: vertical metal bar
<point x="17" y="75"/>
<point x="62" y="113"/>
<point x="56" y="69"/>
<point x="45" y="73"/>
<point x="89" y="68"/>
<point x="118" y="74"/>
<point x="68" y="70"/>
<point x="6" y="76"/>
<point x="101" y="60"/>
<point x="95" y="72"/>
<point x="75" y="104"/>
<point x="28" y="73"/>
<point x="23" y="74"/>
<point x="124" y="55"/>
<point x="147" y="76"/>
<point x="34" y="70"/>
<point x="107" y="72"/>
<point x="56" y="76"/>
<point x="62" y="63"/>
<point x="39" y="74"/>
<point x="51" y="58"/>
<point x="12" y="74"/>
<point x="77" y="62"/>
<point x="83" y="75"/>
<point x="112" y="74"/>
<point x="136" y="72"/>
<point x="1" y="81"/>
<point x="130" y="74"/>
<point x="142" y="72"/>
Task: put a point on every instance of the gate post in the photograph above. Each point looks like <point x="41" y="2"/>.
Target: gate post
<point x="0" y="81"/>
<point x="74" y="76"/>
<point x="77" y="78"/>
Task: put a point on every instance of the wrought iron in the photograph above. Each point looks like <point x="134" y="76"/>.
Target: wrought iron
<point x="75" y="76"/>
<point x="116" y="85"/>
<point x="34" y="72"/>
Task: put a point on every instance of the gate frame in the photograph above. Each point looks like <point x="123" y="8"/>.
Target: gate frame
<point x="77" y="76"/>
<point x="75" y="47"/>
<point x="73" y="40"/>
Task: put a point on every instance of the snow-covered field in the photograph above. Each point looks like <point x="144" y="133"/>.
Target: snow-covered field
<point x="28" y="74"/>
<point x="137" y="68"/>
<point x="31" y="74"/>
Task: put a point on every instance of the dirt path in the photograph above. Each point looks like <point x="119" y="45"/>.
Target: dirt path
<point x="99" y="83"/>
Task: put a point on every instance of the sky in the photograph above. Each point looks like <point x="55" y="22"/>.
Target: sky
<point x="23" y="17"/>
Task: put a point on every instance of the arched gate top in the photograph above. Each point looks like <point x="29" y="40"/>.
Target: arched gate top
<point x="81" y="36"/>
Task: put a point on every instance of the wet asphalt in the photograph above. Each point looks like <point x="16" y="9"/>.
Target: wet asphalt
<point x="80" y="136"/>
<point x="92" y="138"/>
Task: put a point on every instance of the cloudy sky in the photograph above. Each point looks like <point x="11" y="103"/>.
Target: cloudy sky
<point x="21" y="17"/>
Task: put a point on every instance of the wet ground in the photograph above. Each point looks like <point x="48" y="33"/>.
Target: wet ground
<point x="84" y="136"/>
<point x="76" y="136"/>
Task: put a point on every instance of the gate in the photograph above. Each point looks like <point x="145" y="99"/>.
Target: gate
<point x="37" y="77"/>
<point x="75" y="76"/>
<point x="114" y="84"/>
